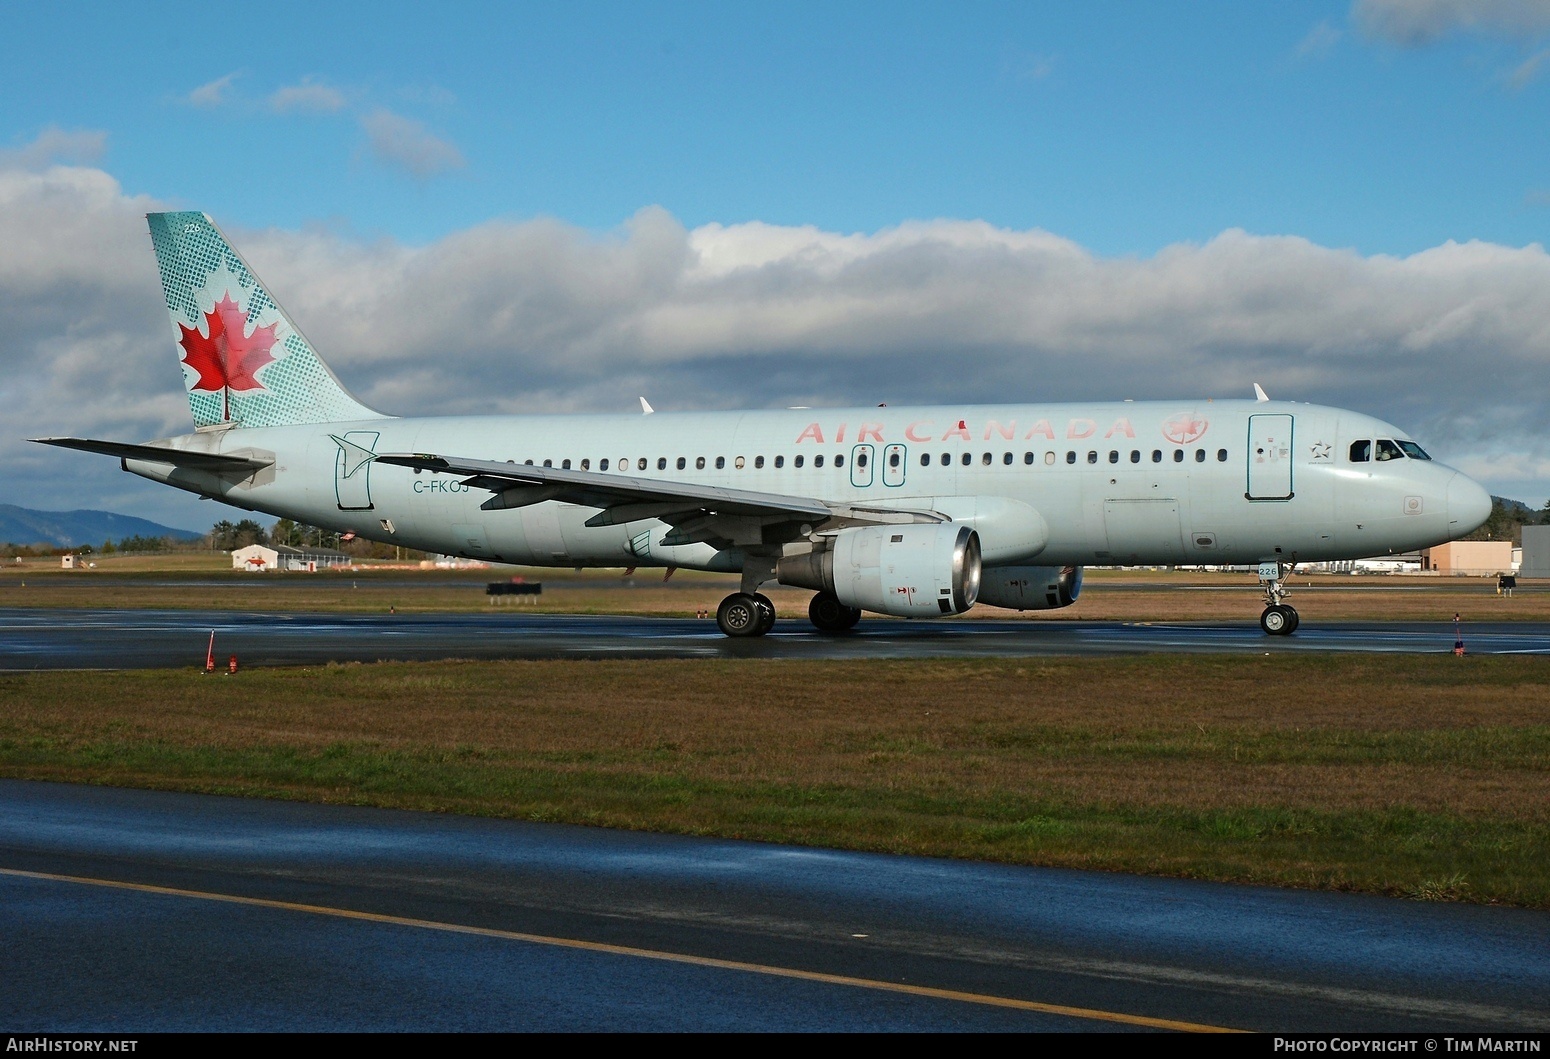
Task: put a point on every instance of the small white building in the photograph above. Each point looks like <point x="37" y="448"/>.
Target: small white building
<point x="258" y="558"/>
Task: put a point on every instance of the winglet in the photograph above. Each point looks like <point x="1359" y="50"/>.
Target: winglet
<point x="1259" y="393"/>
<point x="645" y="407"/>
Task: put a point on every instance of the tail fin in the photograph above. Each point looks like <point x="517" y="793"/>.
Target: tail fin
<point x="244" y="362"/>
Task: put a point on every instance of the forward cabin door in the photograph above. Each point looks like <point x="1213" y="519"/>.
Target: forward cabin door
<point x="1270" y="457"/>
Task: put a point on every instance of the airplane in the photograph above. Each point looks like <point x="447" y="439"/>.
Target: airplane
<point x="914" y="512"/>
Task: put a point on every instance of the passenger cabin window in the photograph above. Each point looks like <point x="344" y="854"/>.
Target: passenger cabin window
<point x="1070" y="457"/>
<point x="565" y="465"/>
<point x="586" y="465"/>
<point x="1200" y="455"/>
<point x="548" y="463"/>
<point x="1135" y="455"/>
<point x="1414" y="451"/>
<point x="817" y="461"/>
<point x="1157" y="455"/>
<point x="699" y="463"/>
<point x="925" y="459"/>
<point x="661" y="463"/>
<point x="780" y="461"/>
<point x="1361" y="451"/>
<point x="738" y="463"/>
<point x="839" y="461"/>
<point x="602" y="465"/>
<point x="1387" y="450"/>
<point x="1028" y="458"/>
<point x="640" y="464"/>
<point x="758" y="463"/>
<point x="721" y="463"/>
<point x="1221" y="455"/>
<point x="682" y="463"/>
<point x="1092" y="457"/>
<point x="1178" y="455"/>
<point x="1007" y="458"/>
<point x="946" y="458"/>
<point x="967" y="459"/>
<point x="985" y="459"/>
<point x="1049" y="459"/>
<point x="1113" y="455"/>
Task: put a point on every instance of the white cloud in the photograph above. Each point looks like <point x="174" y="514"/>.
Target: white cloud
<point x="211" y="93"/>
<point x="1319" y="42"/>
<point x="1526" y="71"/>
<point x="1452" y="343"/>
<point x="1413" y="23"/>
<point x="309" y="96"/>
<point x="55" y="145"/>
<point x="407" y="144"/>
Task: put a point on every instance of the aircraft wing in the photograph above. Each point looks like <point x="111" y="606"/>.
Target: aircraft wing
<point x="198" y="461"/>
<point x="697" y="512"/>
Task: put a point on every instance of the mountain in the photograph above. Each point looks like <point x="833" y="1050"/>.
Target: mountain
<point x="71" y="529"/>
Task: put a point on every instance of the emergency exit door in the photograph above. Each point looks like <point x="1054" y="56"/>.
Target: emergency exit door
<point x="1270" y="457"/>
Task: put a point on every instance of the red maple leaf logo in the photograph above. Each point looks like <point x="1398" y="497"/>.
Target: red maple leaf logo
<point x="1184" y="428"/>
<point x="230" y="357"/>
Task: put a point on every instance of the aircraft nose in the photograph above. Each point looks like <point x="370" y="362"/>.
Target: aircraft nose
<point x="1469" y="505"/>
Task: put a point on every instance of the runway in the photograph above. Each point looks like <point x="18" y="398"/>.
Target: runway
<point x="136" y="910"/>
<point x="43" y="638"/>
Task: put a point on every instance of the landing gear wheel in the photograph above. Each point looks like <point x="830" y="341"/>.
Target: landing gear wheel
<point x="1278" y="620"/>
<point x="741" y="615"/>
<point x="828" y="614"/>
<point x="1291" y="613"/>
<point x="766" y="613"/>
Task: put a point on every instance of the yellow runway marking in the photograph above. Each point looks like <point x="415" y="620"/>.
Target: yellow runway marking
<point x="645" y="954"/>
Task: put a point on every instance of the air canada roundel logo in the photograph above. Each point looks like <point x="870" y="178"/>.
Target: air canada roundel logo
<point x="1184" y="428"/>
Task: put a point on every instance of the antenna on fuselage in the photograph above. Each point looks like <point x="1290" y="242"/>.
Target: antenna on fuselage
<point x="1259" y="393"/>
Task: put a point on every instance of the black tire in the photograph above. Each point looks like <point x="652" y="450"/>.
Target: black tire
<point x="852" y="617"/>
<point x="1276" y="621"/>
<point x="740" y="615"/>
<point x="1291" y="612"/>
<point x="828" y="614"/>
<point x="766" y="611"/>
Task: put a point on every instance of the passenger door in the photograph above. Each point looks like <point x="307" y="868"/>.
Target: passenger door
<point x="1270" y="457"/>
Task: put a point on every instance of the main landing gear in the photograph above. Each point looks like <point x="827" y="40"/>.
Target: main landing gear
<point x="1278" y="618"/>
<point x="828" y="614"/>
<point x="746" y="614"/>
<point x="753" y="614"/>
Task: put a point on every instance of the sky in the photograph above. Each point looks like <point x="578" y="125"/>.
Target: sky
<point x="508" y="208"/>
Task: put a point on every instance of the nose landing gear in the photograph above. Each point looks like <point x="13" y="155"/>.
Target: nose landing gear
<point x="1278" y="618"/>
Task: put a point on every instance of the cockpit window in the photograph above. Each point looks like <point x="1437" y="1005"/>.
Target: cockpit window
<point x="1387" y="450"/>
<point x="1361" y="451"/>
<point x="1414" y="451"/>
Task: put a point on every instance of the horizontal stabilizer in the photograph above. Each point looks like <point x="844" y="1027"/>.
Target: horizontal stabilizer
<point x="197" y="461"/>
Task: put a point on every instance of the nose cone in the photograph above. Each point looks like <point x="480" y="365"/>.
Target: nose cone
<point x="1468" y="505"/>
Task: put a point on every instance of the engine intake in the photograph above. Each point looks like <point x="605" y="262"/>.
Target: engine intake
<point x="911" y="571"/>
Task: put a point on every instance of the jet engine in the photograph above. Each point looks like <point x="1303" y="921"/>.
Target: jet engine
<point x="910" y="571"/>
<point x="1030" y="587"/>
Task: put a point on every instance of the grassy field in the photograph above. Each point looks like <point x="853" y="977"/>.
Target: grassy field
<point x="1426" y="777"/>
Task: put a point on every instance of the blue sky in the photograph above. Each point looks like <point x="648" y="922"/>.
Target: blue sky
<point x="506" y="208"/>
<point x="1125" y="127"/>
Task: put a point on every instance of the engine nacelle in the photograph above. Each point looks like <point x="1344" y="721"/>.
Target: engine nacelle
<point x="913" y="571"/>
<point x="1030" y="587"/>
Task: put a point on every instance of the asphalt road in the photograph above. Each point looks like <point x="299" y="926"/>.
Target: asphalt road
<point x="45" y="638"/>
<point x="138" y="911"/>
